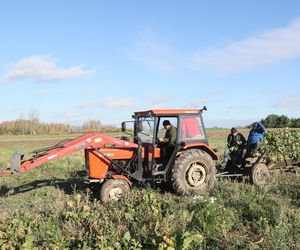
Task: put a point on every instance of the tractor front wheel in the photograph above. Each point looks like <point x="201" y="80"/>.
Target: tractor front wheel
<point x="114" y="190"/>
<point x="260" y="175"/>
<point x="194" y="170"/>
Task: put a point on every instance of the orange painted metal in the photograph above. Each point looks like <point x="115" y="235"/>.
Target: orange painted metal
<point x="204" y="147"/>
<point x="5" y="172"/>
<point x="118" y="154"/>
<point x="98" y="164"/>
<point x="169" y="111"/>
<point x="151" y="152"/>
<point x="122" y="177"/>
<point x="82" y="142"/>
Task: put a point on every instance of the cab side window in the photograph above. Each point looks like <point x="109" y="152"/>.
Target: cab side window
<point x="161" y="130"/>
<point x="191" y="128"/>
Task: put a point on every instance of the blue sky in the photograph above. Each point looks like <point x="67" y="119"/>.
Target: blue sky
<point x="71" y="61"/>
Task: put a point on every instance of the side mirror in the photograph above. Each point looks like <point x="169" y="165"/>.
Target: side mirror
<point x="123" y="125"/>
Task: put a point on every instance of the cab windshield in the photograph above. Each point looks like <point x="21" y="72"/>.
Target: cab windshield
<point x="146" y="129"/>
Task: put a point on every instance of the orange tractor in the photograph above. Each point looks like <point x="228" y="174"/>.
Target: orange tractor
<point x="117" y="163"/>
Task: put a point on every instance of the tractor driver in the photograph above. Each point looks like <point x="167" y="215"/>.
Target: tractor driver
<point x="167" y="144"/>
<point x="171" y="133"/>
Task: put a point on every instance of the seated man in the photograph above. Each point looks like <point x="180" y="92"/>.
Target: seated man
<point x="167" y="143"/>
<point x="235" y="145"/>
<point x="256" y="136"/>
<point x="171" y="133"/>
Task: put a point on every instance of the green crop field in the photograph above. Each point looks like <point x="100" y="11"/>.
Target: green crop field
<point x="48" y="208"/>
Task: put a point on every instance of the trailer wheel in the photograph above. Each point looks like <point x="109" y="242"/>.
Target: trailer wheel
<point x="193" y="170"/>
<point x="260" y="175"/>
<point x="114" y="190"/>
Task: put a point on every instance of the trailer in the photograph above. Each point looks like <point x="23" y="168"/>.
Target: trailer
<point x="259" y="169"/>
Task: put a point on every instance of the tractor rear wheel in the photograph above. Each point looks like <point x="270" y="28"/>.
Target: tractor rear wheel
<point x="193" y="170"/>
<point x="260" y="175"/>
<point x="114" y="190"/>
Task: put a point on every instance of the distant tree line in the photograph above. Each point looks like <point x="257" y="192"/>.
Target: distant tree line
<point x="35" y="127"/>
<point x="280" y="121"/>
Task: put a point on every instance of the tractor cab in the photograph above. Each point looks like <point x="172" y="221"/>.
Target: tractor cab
<point x="158" y="158"/>
<point x="189" y="124"/>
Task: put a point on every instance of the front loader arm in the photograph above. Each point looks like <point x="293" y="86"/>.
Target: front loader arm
<point x="18" y="165"/>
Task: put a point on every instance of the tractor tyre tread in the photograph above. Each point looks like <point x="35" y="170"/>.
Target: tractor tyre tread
<point x="181" y="166"/>
<point x="108" y="185"/>
<point x="260" y="175"/>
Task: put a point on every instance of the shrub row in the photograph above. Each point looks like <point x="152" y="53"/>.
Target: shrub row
<point x="283" y="144"/>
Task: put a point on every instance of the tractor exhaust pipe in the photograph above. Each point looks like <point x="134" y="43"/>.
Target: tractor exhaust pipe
<point x="203" y="109"/>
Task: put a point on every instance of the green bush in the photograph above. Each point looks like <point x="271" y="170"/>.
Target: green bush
<point x="240" y="216"/>
<point x="282" y="144"/>
<point x="46" y="208"/>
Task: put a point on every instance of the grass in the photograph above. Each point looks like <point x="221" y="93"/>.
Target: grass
<point x="47" y="208"/>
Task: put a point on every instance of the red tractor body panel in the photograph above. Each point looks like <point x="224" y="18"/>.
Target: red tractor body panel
<point x="203" y="147"/>
<point x="98" y="165"/>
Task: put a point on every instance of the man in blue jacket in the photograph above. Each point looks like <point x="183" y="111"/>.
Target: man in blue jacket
<point x="256" y="136"/>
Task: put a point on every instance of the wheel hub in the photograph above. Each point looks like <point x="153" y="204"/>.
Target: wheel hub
<point x="196" y="175"/>
<point x="116" y="193"/>
<point x="262" y="176"/>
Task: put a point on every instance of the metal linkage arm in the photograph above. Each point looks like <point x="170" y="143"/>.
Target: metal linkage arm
<point x="52" y="153"/>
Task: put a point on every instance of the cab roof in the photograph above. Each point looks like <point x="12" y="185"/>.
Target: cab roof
<point x="168" y="112"/>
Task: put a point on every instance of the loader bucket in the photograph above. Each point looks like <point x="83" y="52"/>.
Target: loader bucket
<point x="15" y="165"/>
<point x="15" y="161"/>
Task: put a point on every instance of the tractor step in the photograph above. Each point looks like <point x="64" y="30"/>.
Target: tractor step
<point x="227" y="174"/>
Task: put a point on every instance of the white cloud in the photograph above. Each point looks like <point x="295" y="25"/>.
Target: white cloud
<point x="158" y="102"/>
<point x="267" y="48"/>
<point x="290" y="102"/>
<point x="197" y="104"/>
<point x="40" y="68"/>
<point x="89" y="104"/>
<point x="153" y="52"/>
<point x="200" y="102"/>
<point x="113" y="102"/>
<point x="216" y="90"/>
<point x="270" y="47"/>
<point x="117" y="102"/>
